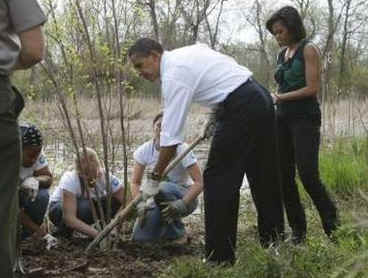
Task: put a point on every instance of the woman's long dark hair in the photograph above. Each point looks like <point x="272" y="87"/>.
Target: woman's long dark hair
<point x="290" y="18"/>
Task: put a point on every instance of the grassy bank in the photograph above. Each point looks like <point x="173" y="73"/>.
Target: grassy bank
<point x="344" y="169"/>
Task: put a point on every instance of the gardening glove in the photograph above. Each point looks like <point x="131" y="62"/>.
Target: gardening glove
<point x="97" y="226"/>
<point x="209" y="126"/>
<point x="31" y="185"/>
<point x="144" y="205"/>
<point x="150" y="186"/>
<point x="50" y="241"/>
<point x="142" y="208"/>
<point x="174" y="209"/>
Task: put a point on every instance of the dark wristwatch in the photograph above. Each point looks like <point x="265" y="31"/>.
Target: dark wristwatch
<point x="154" y="176"/>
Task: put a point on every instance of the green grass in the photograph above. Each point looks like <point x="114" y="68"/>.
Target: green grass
<point x="344" y="170"/>
<point x="318" y="257"/>
<point x="344" y="167"/>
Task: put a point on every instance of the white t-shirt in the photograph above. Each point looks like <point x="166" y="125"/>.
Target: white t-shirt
<point x="26" y="172"/>
<point x="70" y="182"/>
<point x="147" y="155"/>
<point x="194" y="73"/>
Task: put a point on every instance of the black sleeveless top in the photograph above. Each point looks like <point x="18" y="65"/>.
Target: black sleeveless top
<point x="290" y="76"/>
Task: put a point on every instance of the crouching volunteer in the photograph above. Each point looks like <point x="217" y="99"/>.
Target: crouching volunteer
<point x="69" y="205"/>
<point x="244" y="138"/>
<point x="36" y="178"/>
<point x="177" y="196"/>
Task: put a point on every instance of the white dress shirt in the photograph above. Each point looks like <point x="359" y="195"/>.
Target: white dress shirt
<point x="194" y="73"/>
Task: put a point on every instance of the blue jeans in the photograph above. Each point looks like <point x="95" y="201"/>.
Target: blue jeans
<point x="36" y="210"/>
<point x="154" y="228"/>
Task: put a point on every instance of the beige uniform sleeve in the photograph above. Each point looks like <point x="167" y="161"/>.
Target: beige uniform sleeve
<point x="25" y="14"/>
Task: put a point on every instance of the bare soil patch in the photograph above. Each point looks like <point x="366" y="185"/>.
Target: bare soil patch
<point x="127" y="259"/>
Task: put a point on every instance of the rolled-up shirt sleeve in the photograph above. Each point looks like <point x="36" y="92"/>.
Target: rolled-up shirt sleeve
<point x="139" y="156"/>
<point x="177" y="98"/>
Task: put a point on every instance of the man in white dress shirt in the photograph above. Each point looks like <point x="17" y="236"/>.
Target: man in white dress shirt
<point x="244" y="136"/>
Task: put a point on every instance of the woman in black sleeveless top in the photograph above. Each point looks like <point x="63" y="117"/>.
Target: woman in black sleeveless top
<point x="299" y="121"/>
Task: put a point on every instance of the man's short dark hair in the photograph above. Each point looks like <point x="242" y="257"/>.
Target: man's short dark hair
<point x="291" y="19"/>
<point x="144" y="47"/>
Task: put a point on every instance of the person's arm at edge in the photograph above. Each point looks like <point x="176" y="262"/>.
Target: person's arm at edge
<point x="32" y="51"/>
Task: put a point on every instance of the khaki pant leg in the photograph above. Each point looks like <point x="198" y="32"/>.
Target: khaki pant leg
<point x="10" y="157"/>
